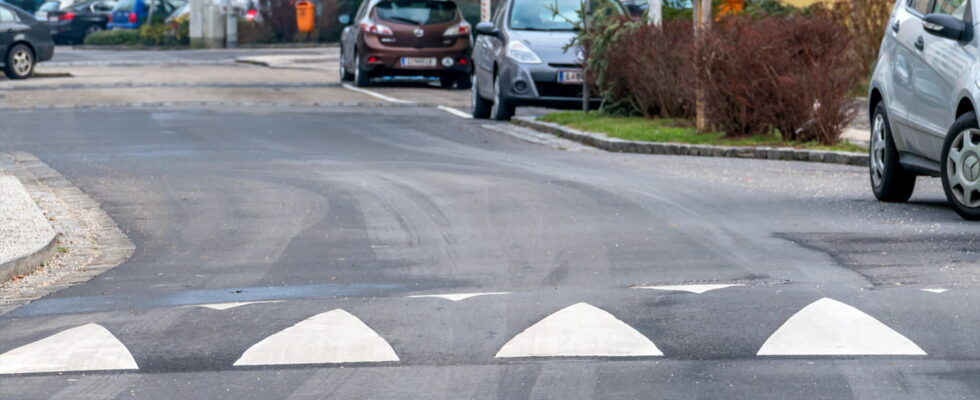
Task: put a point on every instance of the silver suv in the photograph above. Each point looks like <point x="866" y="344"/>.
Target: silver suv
<point x="922" y="102"/>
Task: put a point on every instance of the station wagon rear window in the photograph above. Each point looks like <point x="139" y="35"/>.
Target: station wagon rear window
<point x="417" y="12"/>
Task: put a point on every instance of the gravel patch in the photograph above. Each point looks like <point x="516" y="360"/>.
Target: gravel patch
<point x="90" y="242"/>
<point x="24" y="229"/>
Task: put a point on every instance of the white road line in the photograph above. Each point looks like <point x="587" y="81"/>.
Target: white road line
<point x="89" y="347"/>
<point x="374" y="94"/>
<point x="331" y="337"/>
<point x="456" y="296"/>
<point x="456" y="112"/>
<point x="225" y="306"/>
<point x="696" y="289"/>
<point x="576" y="331"/>
<point x="937" y="290"/>
<point x="829" y="327"/>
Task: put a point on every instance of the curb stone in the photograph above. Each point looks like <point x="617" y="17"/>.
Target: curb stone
<point x="604" y="142"/>
<point x="27" y="263"/>
<point x="95" y="242"/>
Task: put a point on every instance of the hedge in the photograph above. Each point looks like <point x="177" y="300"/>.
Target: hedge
<point x="119" y="37"/>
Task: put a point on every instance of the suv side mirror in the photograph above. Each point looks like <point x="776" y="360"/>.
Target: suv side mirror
<point x="947" y="26"/>
<point x="486" y="28"/>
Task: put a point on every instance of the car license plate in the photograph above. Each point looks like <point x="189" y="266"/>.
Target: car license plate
<point x="52" y="18"/>
<point x="418" y="62"/>
<point x="570" y="77"/>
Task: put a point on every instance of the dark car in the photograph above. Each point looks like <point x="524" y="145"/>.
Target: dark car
<point x="24" y="42"/>
<point x="523" y="58"/>
<point x="73" y="24"/>
<point x="130" y="14"/>
<point x="407" y="38"/>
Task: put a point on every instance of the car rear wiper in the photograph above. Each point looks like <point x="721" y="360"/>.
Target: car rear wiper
<point x="411" y="21"/>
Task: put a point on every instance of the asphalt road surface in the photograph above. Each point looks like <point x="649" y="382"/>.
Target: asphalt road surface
<point x="64" y="55"/>
<point x="327" y="253"/>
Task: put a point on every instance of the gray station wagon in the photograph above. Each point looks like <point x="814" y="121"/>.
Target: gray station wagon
<point x="923" y="100"/>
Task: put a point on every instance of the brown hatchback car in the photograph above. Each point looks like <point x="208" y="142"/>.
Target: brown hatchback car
<point x="426" y="38"/>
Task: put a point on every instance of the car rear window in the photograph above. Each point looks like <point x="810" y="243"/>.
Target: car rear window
<point x="417" y="12"/>
<point x="49" y="6"/>
<point x="81" y="6"/>
<point x="125" y="5"/>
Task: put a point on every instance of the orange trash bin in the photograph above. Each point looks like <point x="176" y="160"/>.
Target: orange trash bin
<point x="304" y="16"/>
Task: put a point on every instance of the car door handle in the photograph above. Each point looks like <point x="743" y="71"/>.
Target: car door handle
<point x="897" y="26"/>
<point x="920" y="43"/>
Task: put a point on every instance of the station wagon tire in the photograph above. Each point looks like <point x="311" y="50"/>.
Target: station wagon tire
<point x="961" y="166"/>
<point x="889" y="181"/>
<point x="345" y="75"/>
<point x="502" y="110"/>
<point x="19" y="63"/>
<point x="361" y="77"/>
<point x="463" y="81"/>
<point x="481" y="107"/>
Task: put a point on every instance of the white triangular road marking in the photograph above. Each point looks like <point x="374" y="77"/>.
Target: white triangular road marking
<point x="331" y="337"/>
<point x="939" y="290"/>
<point x="696" y="289"/>
<point x="225" y="306"/>
<point x="89" y="347"/>
<point x="456" y="296"/>
<point x="579" y="330"/>
<point x="829" y="327"/>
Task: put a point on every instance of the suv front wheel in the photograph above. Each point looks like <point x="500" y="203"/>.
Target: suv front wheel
<point x="345" y="75"/>
<point x="502" y="109"/>
<point x="481" y="107"/>
<point x="889" y="181"/>
<point x="961" y="166"/>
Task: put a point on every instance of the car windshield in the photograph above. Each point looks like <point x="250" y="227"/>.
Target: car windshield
<point x="49" y="6"/>
<point x="545" y="15"/>
<point x="417" y="12"/>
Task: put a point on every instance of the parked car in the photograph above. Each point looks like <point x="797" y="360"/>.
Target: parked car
<point x="48" y="6"/>
<point x="24" y="42"/>
<point x="74" y="24"/>
<point x="407" y="38"/>
<point x="130" y="14"/>
<point x="522" y="58"/>
<point x="922" y="102"/>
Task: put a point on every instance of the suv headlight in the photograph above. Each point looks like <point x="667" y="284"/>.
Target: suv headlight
<point x="519" y="52"/>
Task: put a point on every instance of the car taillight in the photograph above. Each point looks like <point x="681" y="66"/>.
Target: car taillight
<point x="132" y="18"/>
<point x="377" y="29"/>
<point x="250" y="15"/>
<point x="68" y="16"/>
<point x="462" y="61"/>
<point x="462" y="28"/>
